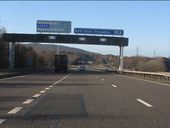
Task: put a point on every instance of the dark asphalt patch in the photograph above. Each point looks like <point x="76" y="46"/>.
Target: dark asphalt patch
<point x="59" y="106"/>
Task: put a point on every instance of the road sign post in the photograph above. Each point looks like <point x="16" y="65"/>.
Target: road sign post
<point x="58" y="49"/>
<point x="121" y="58"/>
<point x="11" y="55"/>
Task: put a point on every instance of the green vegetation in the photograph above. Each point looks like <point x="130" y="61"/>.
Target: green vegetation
<point x="35" y="56"/>
<point x="149" y="64"/>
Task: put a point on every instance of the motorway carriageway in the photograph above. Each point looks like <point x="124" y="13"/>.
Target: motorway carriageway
<point x="90" y="99"/>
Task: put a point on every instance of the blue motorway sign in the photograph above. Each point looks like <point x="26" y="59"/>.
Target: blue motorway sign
<point x="98" y="31"/>
<point x="53" y="26"/>
<point x="41" y="25"/>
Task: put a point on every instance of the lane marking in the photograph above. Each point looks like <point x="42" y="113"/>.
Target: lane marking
<point x="43" y="91"/>
<point x="15" y="110"/>
<point x="60" y="80"/>
<point x="28" y="101"/>
<point x="114" y="86"/>
<point x="103" y="80"/>
<point x="145" y="103"/>
<point x="97" y="76"/>
<point x="47" y="88"/>
<point x="65" y="76"/>
<point x="36" y="95"/>
<point x="147" y="80"/>
<point x="13" y="77"/>
<point x="2" y="120"/>
<point x="56" y="82"/>
<point x="51" y="86"/>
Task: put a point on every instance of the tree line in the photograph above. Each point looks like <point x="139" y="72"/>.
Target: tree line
<point x="33" y="58"/>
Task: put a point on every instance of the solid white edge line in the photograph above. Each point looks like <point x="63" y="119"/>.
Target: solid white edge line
<point x="2" y="121"/>
<point x="15" y="110"/>
<point x="145" y="103"/>
<point x="146" y="80"/>
<point x="28" y="101"/>
<point x="114" y="86"/>
<point x="43" y="91"/>
<point x="36" y="95"/>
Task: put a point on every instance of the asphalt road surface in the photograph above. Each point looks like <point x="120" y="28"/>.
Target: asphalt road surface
<point x="83" y="100"/>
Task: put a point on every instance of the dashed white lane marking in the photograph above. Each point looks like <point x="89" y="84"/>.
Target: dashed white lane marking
<point x="15" y="110"/>
<point x="56" y="82"/>
<point x="65" y="77"/>
<point x="43" y="91"/>
<point x="47" y="88"/>
<point x="36" y="95"/>
<point x="103" y="79"/>
<point x="2" y="120"/>
<point x="114" y="86"/>
<point x="97" y="76"/>
<point x="145" y="103"/>
<point x="28" y="101"/>
<point x="60" y="80"/>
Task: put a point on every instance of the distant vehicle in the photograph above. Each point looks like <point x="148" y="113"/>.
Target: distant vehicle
<point x="61" y="62"/>
<point x="107" y="69"/>
<point x="82" y="68"/>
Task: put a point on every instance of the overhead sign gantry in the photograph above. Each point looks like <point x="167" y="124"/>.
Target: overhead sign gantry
<point x="70" y="39"/>
<point x="65" y="27"/>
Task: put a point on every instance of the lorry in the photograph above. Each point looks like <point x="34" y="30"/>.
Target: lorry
<point x="61" y="63"/>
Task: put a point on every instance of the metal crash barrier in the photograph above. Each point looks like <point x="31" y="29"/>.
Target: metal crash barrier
<point x="160" y="77"/>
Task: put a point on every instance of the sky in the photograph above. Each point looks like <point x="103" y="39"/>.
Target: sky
<point x="146" y="24"/>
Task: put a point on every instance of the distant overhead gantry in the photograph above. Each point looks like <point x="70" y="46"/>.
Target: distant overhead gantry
<point x="70" y="39"/>
<point x="82" y="36"/>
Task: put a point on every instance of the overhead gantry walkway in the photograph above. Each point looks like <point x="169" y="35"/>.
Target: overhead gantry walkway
<point x="12" y="38"/>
